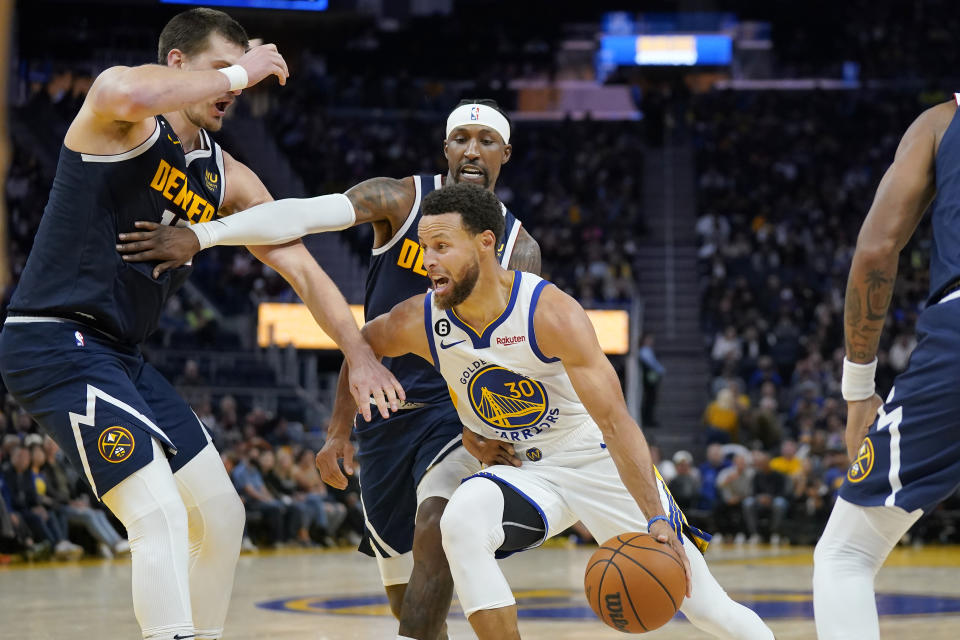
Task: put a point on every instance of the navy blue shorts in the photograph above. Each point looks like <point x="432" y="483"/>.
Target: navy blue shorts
<point x="911" y="455"/>
<point x="394" y="455"/>
<point x="97" y="398"/>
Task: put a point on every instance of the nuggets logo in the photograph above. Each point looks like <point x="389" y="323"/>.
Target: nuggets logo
<point x="115" y="444"/>
<point x="533" y="454"/>
<point x="506" y="400"/>
<point x="475" y="113"/>
<point x="863" y="465"/>
<point x="210" y="179"/>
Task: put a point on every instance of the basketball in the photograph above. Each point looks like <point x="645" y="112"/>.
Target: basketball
<point x="634" y="583"/>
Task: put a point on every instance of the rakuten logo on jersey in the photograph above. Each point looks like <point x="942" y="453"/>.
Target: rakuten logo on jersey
<point x="506" y="342"/>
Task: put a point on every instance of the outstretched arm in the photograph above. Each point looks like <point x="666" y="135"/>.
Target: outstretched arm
<point x="384" y="202"/>
<point x="564" y="331"/>
<point x="905" y="192"/>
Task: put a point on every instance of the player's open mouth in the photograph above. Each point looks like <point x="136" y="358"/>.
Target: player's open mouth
<point x="221" y="107"/>
<point x="472" y="173"/>
<point x="440" y="284"/>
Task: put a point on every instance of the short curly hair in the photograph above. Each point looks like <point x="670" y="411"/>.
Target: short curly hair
<point x="479" y="208"/>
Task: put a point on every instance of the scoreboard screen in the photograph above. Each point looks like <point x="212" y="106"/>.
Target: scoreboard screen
<point x="684" y="50"/>
<point x="298" y="5"/>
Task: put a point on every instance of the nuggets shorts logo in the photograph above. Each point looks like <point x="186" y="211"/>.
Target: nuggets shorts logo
<point x="533" y="454"/>
<point x="507" y="400"/>
<point x="115" y="444"/>
<point x="863" y="464"/>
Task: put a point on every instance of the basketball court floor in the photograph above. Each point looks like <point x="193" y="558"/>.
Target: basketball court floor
<point x="336" y="595"/>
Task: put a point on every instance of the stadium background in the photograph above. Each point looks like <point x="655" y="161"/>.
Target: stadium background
<point x="712" y="193"/>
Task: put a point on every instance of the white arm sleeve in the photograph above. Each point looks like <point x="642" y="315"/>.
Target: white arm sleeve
<point x="278" y="222"/>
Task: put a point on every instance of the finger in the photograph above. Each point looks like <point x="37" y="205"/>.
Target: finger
<point x="348" y="460"/>
<point x="163" y="266"/>
<point x="283" y="64"/>
<point x="146" y="224"/>
<point x="686" y="568"/>
<point x="143" y="256"/>
<point x="399" y="389"/>
<point x="133" y="236"/>
<point x="391" y="394"/>
<point x="270" y="46"/>
<point x="135" y="247"/>
<point x="382" y="403"/>
<point x="663" y="538"/>
<point x="363" y="404"/>
<point x="330" y="471"/>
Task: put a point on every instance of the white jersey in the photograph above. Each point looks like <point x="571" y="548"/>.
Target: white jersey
<point x="501" y="383"/>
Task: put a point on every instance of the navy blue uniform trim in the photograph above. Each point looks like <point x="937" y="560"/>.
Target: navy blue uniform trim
<point x="533" y="336"/>
<point x="482" y="340"/>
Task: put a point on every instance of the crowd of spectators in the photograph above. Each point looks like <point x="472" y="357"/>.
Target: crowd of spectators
<point x="784" y="183"/>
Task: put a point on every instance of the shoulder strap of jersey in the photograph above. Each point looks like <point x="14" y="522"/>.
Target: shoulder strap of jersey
<point x="956" y="97"/>
<point x="428" y="327"/>
<point x="423" y="185"/>
<point x="218" y="157"/>
<point x="510" y="233"/>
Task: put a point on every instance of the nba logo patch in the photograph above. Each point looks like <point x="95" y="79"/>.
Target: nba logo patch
<point x="475" y="113"/>
<point x="79" y="338"/>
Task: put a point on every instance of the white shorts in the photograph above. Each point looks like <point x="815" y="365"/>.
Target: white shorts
<point x="440" y="481"/>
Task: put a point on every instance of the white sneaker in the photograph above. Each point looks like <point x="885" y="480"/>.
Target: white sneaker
<point x="739" y="538"/>
<point x="66" y="550"/>
<point x="122" y="547"/>
<point x="775" y="539"/>
<point x="105" y="551"/>
<point x="717" y="539"/>
<point x="754" y="539"/>
<point x="247" y="546"/>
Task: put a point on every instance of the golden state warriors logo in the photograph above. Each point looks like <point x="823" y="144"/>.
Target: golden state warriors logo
<point x="210" y="179"/>
<point x="115" y="444"/>
<point x="863" y="464"/>
<point x="507" y="400"/>
<point x="533" y="454"/>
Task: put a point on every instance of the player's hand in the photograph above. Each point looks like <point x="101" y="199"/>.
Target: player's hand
<point x="263" y="61"/>
<point x="860" y="416"/>
<point x="665" y="534"/>
<point x="170" y="246"/>
<point x="335" y="449"/>
<point x="370" y="379"/>
<point x="489" y="451"/>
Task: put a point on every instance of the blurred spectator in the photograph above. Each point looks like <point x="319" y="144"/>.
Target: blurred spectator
<point x="709" y="473"/>
<point x="685" y="485"/>
<point x="722" y="417"/>
<point x="735" y="484"/>
<point x="768" y="499"/>
<point x="652" y="372"/>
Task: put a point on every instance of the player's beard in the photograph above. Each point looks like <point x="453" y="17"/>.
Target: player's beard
<point x="461" y="288"/>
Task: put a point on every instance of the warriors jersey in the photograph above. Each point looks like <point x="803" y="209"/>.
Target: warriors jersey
<point x="396" y="273"/>
<point x="501" y="383"/>
<point x="74" y="271"/>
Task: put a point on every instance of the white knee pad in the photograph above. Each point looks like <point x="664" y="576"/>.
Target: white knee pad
<point x="149" y="506"/>
<point x="216" y="518"/>
<point x="472" y="528"/>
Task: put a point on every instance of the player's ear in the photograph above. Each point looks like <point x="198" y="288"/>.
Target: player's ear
<point x="487" y="240"/>
<point x="175" y="58"/>
<point x="507" y="152"/>
<point x="445" y="150"/>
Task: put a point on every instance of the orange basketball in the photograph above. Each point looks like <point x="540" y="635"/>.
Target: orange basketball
<point x="634" y="583"/>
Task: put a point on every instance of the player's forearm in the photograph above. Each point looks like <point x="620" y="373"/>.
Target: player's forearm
<point x="278" y="222"/>
<point x="869" y="291"/>
<point x="344" y="408"/>
<point x="630" y="453"/>
<point x="135" y="93"/>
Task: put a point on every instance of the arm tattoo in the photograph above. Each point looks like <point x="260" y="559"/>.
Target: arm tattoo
<point x="879" y="294"/>
<point x="379" y="199"/>
<point x="526" y="254"/>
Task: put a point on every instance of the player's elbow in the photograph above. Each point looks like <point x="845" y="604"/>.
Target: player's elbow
<point x="118" y="97"/>
<point x="874" y="249"/>
<point x="612" y="424"/>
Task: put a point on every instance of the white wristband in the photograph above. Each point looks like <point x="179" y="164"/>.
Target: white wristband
<point x="858" y="380"/>
<point x="237" y="76"/>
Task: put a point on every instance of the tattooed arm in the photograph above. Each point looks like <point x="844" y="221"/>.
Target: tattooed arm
<point x="383" y="202"/>
<point x="526" y="254"/>
<point x="905" y="192"/>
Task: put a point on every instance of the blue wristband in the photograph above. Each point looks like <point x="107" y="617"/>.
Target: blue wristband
<point x="654" y="519"/>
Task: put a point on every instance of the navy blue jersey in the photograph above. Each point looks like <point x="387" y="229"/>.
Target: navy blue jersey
<point x="945" y="252"/>
<point x="396" y="273"/>
<point x="74" y="270"/>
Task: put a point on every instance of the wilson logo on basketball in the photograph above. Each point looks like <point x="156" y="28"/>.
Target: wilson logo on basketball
<point x="506" y="342"/>
<point x="615" y="611"/>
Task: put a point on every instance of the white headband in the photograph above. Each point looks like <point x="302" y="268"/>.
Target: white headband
<point x="467" y="114"/>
